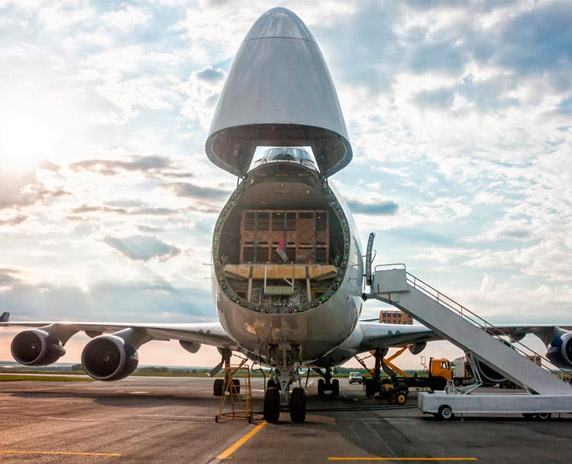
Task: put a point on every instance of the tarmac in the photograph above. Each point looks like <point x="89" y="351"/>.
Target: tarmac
<point x="171" y="420"/>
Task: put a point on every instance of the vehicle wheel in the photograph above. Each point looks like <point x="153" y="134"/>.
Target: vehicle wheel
<point x="446" y="413"/>
<point x="298" y="405"/>
<point x="542" y="416"/>
<point x="392" y="399"/>
<point x="437" y="383"/>
<point x="321" y="387"/>
<point x="370" y="387"/>
<point x="401" y="398"/>
<point x="272" y="405"/>
<point x="456" y="383"/>
<point x="335" y="387"/>
<point x="236" y="386"/>
<point x="218" y="387"/>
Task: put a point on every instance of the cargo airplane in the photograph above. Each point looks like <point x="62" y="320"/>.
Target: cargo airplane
<point x="287" y="261"/>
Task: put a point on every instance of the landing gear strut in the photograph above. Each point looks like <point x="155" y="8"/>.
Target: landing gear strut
<point x="373" y="385"/>
<point x="327" y="383"/>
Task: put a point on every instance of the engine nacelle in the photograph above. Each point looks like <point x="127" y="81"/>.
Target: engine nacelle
<point x="559" y="352"/>
<point x="488" y="374"/>
<point x="109" y="357"/>
<point x="417" y="348"/>
<point x="191" y="347"/>
<point x="36" y="347"/>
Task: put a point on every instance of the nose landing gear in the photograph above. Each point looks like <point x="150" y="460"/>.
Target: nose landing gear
<point x="278" y="398"/>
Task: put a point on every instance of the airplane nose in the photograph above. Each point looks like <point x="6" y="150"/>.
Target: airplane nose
<point x="278" y="92"/>
<point x="279" y="23"/>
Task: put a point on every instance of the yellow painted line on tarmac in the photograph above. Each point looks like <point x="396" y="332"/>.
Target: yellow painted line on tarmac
<point x="59" y="453"/>
<point x="397" y="459"/>
<point x="227" y="453"/>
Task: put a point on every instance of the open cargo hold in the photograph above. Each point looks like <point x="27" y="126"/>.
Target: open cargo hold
<point x="284" y="257"/>
<point x="288" y="236"/>
<point x="282" y="241"/>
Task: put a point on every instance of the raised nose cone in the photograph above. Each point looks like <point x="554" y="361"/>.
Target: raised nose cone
<point x="278" y="93"/>
<point x="279" y="23"/>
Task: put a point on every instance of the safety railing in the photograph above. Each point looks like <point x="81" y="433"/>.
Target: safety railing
<point x="470" y="316"/>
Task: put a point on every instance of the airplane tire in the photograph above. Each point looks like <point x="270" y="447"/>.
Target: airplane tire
<point x="270" y="383"/>
<point x="321" y="387"/>
<point x="335" y="387"/>
<point x="218" y="387"/>
<point x="370" y="387"/>
<point x="272" y="405"/>
<point x="542" y="416"/>
<point x="298" y="405"/>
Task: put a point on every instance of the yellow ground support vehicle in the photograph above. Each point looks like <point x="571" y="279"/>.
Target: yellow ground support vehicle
<point x="440" y="371"/>
<point x="395" y="392"/>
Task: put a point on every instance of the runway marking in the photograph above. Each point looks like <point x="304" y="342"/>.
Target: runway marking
<point x="59" y="453"/>
<point x="397" y="459"/>
<point x="227" y="453"/>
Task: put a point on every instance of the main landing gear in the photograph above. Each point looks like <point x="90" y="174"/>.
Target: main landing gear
<point x="278" y="398"/>
<point x="327" y="384"/>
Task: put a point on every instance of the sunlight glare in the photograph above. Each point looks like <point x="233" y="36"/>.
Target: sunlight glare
<point x="24" y="141"/>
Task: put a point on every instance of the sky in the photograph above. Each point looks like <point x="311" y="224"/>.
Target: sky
<point x="459" y="115"/>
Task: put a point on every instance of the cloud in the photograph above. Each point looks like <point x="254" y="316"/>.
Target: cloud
<point x="125" y="19"/>
<point x="142" y="247"/>
<point x="208" y="74"/>
<point x="147" y="164"/>
<point x="7" y="278"/>
<point x="127" y="301"/>
<point x="536" y="40"/>
<point x="13" y="220"/>
<point x="134" y="211"/>
<point x="380" y="208"/>
<point x="198" y="192"/>
<point x="23" y="190"/>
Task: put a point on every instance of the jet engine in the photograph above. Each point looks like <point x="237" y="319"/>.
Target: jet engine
<point x="109" y="357"/>
<point x="416" y="348"/>
<point x="559" y="351"/>
<point x="36" y="347"/>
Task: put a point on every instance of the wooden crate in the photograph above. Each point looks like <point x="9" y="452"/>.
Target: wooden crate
<point x="304" y="233"/>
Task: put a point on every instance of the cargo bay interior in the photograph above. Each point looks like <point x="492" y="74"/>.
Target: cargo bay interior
<point x="283" y="242"/>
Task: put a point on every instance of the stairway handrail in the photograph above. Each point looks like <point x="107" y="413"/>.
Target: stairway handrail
<point x="484" y="324"/>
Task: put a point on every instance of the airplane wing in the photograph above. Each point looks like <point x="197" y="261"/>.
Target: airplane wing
<point x="209" y="333"/>
<point x="376" y="335"/>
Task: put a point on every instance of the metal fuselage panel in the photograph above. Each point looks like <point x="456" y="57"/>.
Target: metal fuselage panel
<point x="317" y="331"/>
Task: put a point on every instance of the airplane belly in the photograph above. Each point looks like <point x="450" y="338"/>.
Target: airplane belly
<point x="317" y="331"/>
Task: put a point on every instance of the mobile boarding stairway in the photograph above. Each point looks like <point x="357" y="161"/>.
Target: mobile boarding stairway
<point x="547" y="393"/>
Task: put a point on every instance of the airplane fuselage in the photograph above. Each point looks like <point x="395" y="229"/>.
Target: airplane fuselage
<point x="306" y="326"/>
